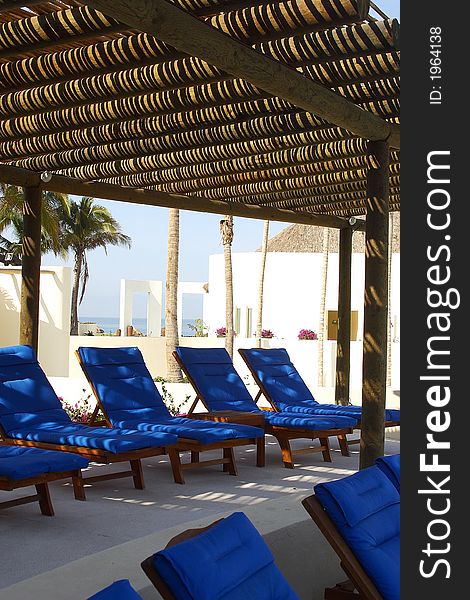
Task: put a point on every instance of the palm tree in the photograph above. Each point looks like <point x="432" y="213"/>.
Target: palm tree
<point x="264" y="251"/>
<point x="171" y="298"/>
<point x="34" y="218"/>
<point x="54" y="207"/>
<point x="321" y="326"/>
<point x="86" y="227"/>
<point x="226" y="231"/>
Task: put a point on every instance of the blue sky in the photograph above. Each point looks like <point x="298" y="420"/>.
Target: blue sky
<point x="147" y="226"/>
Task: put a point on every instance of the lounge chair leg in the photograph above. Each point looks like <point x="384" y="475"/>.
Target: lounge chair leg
<point x="137" y="474"/>
<point x="260" y="452"/>
<point x="194" y="457"/>
<point x="230" y="466"/>
<point x="342" y="591"/>
<point x="78" y="488"/>
<point x="286" y="452"/>
<point x="176" y="467"/>
<point x="343" y="444"/>
<point x="45" y="503"/>
<point x="325" y="443"/>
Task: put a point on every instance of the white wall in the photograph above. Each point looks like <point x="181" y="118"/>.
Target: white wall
<point x="153" y="289"/>
<point x="292" y="290"/>
<point x="54" y="314"/>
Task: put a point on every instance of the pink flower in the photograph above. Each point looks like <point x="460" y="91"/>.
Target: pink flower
<point x="307" y="334"/>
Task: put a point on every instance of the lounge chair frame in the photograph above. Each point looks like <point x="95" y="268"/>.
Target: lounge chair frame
<point x="359" y="585"/>
<point x="153" y="574"/>
<point x="183" y="444"/>
<point x="42" y="489"/>
<point x="283" y="434"/>
<point x="96" y="455"/>
<point x="343" y="441"/>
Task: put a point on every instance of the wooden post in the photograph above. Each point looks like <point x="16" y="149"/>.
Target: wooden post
<point x="30" y="267"/>
<point x="374" y="374"/>
<point x="344" y="318"/>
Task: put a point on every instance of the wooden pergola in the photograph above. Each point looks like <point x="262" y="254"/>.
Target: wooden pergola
<point x="284" y="110"/>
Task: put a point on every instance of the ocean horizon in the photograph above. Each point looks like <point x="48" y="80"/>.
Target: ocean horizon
<point x="110" y="324"/>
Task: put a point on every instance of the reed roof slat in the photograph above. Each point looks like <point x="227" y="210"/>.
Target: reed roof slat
<point x="89" y="97"/>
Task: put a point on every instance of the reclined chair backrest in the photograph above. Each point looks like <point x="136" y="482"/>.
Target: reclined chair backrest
<point x="215" y="379"/>
<point x="122" y="383"/>
<point x="26" y="396"/>
<point x="365" y="509"/>
<point x="227" y="560"/>
<point x="279" y="380"/>
<point x="390" y="465"/>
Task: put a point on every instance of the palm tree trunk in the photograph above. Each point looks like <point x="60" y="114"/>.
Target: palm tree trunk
<point x="77" y="273"/>
<point x="171" y="298"/>
<point x="31" y="267"/>
<point x="226" y="229"/>
<point x="322" y="322"/>
<point x="264" y="251"/>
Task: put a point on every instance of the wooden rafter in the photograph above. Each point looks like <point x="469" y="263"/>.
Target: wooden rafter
<point x="66" y="185"/>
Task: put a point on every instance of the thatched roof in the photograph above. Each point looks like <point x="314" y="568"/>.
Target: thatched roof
<point x="308" y="238"/>
<point x="87" y="97"/>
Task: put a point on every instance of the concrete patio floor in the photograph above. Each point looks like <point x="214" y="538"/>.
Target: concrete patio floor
<point x="88" y="545"/>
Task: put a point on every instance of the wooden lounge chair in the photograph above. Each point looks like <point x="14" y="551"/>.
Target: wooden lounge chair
<point x="32" y="415"/>
<point x="128" y="397"/>
<point x="23" y="467"/>
<point x="228" y="558"/>
<point x="285" y="390"/>
<point x="359" y="515"/>
<point x="220" y="388"/>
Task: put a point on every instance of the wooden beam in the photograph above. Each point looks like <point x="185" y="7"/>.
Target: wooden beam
<point x="378" y="10"/>
<point x="105" y="191"/>
<point x="374" y="370"/>
<point x="187" y="34"/>
<point x="343" y="341"/>
<point x="30" y="267"/>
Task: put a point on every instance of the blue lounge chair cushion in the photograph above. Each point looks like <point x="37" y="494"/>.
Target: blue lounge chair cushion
<point x="216" y="378"/>
<point x="123" y="383"/>
<point x="365" y="508"/>
<point x="112" y="440"/>
<point x="119" y="590"/>
<point x="131" y="400"/>
<point x="289" y="392"/>
<point x="222" y="388"/>
<point x="230" y="561"/>
<point x="18" y="463"/>
<point x="30" y="410"/>
<point x="26" y="396"/>
<point x="301" y="421"/>
<point x="390" y="465"/>
<point x="351" y="411"/>
<point x="205" y="432"/>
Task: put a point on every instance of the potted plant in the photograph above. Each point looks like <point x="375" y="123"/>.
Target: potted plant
<point x="221" y="332"/>
<point x="267" y="333"/>
<point x="307" y="334"/>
